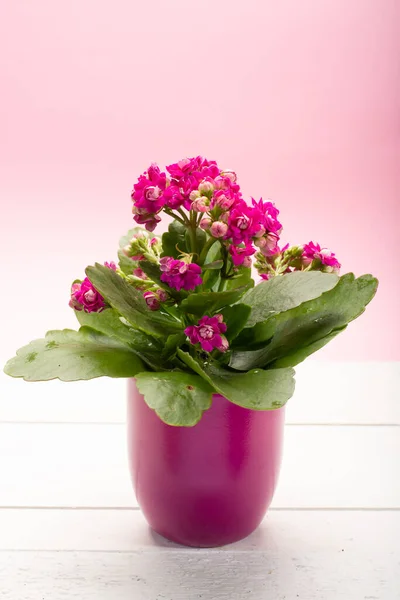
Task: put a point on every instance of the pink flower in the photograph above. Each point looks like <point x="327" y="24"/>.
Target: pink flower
<point x="265" y="276"/>
<point x="138" y="272"/>
<point x="239" y="254"/>
<point x="174" y="197"/>
<point x="240" y="224"/>
<point x="208" y="333"/>
<point x="152" y="300"/>
<point x="178" y="274"/>
<point x="85" y="296"/>
<point x="268" y="244"/>
<point x="224" y="199"/>
<point x="150" y="221"/>
<point x="163" y="295"/>
<point x="267" y="215"/>
<point x="111" y="265"/>
<point x="193" y="170"/>
<point x="148" y="197"/>
<point x="188" y="173"/>
<point x="327" y="258"/>
<point x="218" y="229"/>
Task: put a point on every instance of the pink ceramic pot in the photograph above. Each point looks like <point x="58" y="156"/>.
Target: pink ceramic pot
<point x="206" y="485"/>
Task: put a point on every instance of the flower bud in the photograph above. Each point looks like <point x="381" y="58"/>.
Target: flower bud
<point x="230" y="174"/>
<point x="162" y="295"/>
<point x="206" y="187"/>
<point x="200" y="204"/>
<point x="218" y="229"/>
<point x="194" y="195"/>
<point x="138" y="272"/>
<point x="152" y="301"/>
<point x="247" y="261"/>
<point x="205" y="223"/>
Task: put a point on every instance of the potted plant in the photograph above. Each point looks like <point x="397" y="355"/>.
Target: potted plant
<point x="208" y="354"/>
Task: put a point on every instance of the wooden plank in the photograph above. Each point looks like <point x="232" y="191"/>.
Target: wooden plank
<point x="326" y="392"/>
<point x="112" y="555"/>
<point x="86" y="465"/>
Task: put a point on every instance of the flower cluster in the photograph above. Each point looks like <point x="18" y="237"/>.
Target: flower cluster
<point x="201" y="187"/>
<point x="309" y="257"/>
<point x="179" y="274"/>
<point x="207" y="204"/>
<point x="320" y="258"/>
<point x="155" y="190"/>
<point x="143" y="247"/>
<point x="209" y="333"/>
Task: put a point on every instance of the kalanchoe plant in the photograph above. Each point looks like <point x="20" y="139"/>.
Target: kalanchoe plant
<point x="182" y="313"/>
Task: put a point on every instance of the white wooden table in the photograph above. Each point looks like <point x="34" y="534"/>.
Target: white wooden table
<point x="70" y="527"/>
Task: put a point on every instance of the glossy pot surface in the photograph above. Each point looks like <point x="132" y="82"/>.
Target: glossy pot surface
<point x="206" y="485"/>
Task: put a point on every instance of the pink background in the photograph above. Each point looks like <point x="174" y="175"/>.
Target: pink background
<point x="301" y="98"/>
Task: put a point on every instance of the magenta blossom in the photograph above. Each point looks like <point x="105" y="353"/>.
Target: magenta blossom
<point x="179" y="274"/>
<point x="266" y="214"/>
<point x="244" y="223"/>
<point x="150" y="221"/>
<point x="152" y="300"/>
<point x="241" y="254"/>
<point x="85" y="297"/>
<point x="138" y="272"/>
<point x="174" y="197"/>
<point x="187" y="174"/>
<point x="327" y="258"/>
<point x="193" y="170"/>
<point x="208" y="333"/>
<point x="148" y="197"/>
<point x="111" y="265"/>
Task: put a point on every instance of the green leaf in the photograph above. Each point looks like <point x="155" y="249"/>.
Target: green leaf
<point x="217" y="264"/>
<point x="241" y="278"/>
<point x="297" y="356"/>
<point x="130" y="303"/>
<point x="290" y="331"/>
<point x="257" y="389"/>
<point x="73" y="355"/>
<point x="172" y="344"/>
<point x="109" y="322"/>
<point x="125" y="263"/>
<point x="178" y="398"/>
<point x="209" y="302"/>
<point x="235" y="318"/>
<point x="211" y="279"/>
<point x="153" y="271"/>
<point x="285" y="292"/>
<point x="174" y="240"/>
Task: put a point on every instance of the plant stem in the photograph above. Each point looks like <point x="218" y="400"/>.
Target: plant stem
<point x="185" y="219"/>
<point x="175" y="216"/>
<point x="204" y="252"/>
<point x="192" y="232"/>
<point x="222" y="284"/>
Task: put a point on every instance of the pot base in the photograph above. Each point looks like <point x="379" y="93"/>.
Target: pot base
<point x="226" y="540"/>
